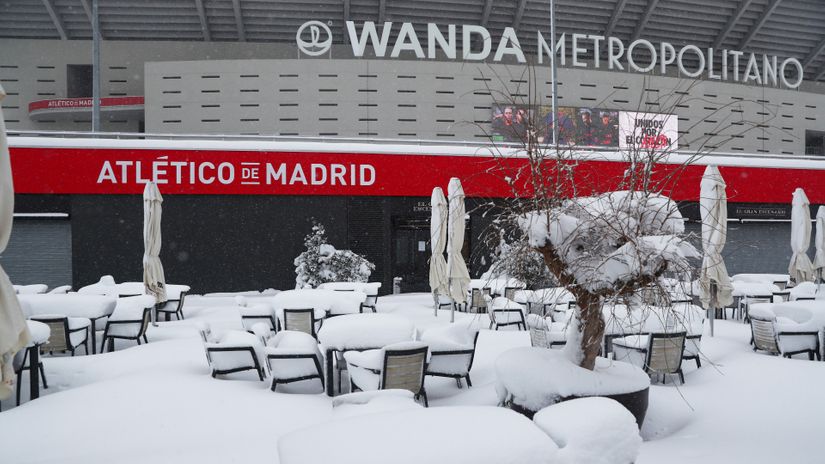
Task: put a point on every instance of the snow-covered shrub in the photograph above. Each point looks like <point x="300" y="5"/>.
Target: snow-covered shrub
<point x="515" y="258"/>
<point x="322" y="262"/>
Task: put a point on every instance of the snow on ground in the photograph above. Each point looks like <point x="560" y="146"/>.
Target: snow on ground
<point x="157" y="402"/>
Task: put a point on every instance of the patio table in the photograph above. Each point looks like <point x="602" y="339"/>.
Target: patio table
<point x="361" y="332"/>
<point x="496" y="285"/>
<point x="92" y="307"/>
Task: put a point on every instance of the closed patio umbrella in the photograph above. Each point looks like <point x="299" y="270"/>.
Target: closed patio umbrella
<point x="14" y="334"/>
<point x="153" y="278"/>
<point x="459" y="277"/>
<point x="715" y="289"/>
<point x="801" y="269"/>
<point x="438" y="240"/>
<point x="819" y="243"/>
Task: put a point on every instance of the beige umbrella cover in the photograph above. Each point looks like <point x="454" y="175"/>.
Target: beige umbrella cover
<point x="801" y="269"/>
<point x="153" y="278"/>
<point x="458" y="275"/>
<point x="438" y="240"/>
<point x="713" y="205"/>
<point x="14" y="334"/>
<point x="819" y="242"/>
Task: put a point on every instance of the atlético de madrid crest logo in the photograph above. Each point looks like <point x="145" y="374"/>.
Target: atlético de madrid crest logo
<point x="314" y="38"/>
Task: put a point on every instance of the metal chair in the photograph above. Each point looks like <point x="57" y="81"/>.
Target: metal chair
<point x="510" y="292"/>
<point x="301" y="320"/>
<point x="177" y="309"/>
<point x="454" y="363"/>
<point x="126" y="329"/>
<point x="236" y="352"/>
<point x="292" y="357"/>
<point x="370" y="302"/>
<point x="478" y="302"/>
<point x="402" y="368"/>
<point x="766" y="338"/>
<point x="662" y="352"/>
<point x="67" y="333"/>
<point x="257" y="314"/>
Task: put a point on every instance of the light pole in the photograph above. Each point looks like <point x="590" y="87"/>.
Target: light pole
<point x="95" y="69"/>
<point x="553" y="73"/>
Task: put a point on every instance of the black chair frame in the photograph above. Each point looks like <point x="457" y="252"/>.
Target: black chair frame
<point x="66" y="331"/>
<point x="144" y="321"/>
<point x="178" y="311"/>
<point x="457" y="377"/>
<point x="311" y="312"/>
<point x="256" y="365"/>
<point x="19" y="372"/>
<point x="272" y="320"/>
<point x="649" y="347"/>
<point x="370" y="302"/>
<point x="521" y="323"/>
<point x="422" y="393"/>
<point x="276" y="380"/>
<point x="777" y="335"/>
<point x="482" y="292"/>
<point x="696" y="357"/>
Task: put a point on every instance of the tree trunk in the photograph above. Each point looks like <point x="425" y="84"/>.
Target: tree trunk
<point x="592" y="328"/>
<point x="590" y="308"/>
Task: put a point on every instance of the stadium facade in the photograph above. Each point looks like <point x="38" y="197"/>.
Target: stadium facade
<point x="376" y="103"/>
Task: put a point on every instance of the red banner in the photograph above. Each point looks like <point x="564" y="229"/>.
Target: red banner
<point x="214" y="172"/>
<point x="71" y="103"/>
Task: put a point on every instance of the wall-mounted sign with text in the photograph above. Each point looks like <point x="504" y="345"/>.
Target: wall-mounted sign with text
<point x="648" y="131"/>
<point x="471" y="42"/>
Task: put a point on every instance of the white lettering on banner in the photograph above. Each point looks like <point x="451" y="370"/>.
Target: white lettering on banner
<point x="251" y="173"/>
<point x="768" y="70"/>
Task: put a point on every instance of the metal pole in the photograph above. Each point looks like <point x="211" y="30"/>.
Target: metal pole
<point x="95" y="69"/>
<point x="553" y="73"/>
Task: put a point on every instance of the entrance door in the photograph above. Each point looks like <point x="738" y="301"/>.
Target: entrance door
<point x="411" y="253"/>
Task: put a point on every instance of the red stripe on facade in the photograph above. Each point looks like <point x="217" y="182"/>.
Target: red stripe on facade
<point x="69" y="103"/>
<point x="219" y="172"/>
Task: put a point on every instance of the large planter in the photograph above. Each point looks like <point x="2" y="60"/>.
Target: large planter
<point x="530" y="379"/>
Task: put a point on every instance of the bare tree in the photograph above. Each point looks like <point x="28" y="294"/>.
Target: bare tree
<point x="606" y="237"/>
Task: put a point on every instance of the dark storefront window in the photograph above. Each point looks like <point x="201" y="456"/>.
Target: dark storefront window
<point x="78" y="80"/>
<point x="815" y="143"/>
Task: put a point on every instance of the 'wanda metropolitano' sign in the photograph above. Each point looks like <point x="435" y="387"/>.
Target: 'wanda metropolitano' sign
<point x="475" y="43"/>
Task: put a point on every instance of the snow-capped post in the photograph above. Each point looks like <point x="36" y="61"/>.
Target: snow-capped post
<point x="439" y="283"/>
<point x="459" y="277"/>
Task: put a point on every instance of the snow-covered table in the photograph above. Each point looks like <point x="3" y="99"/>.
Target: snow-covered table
<point x="323" y="302"/>
<point x="545" y="296"/>
<point x="361" y="332"/>
<point x="761" y="278"/>
<point x="93" y="307"/>
<point x="457" y="434"/>
<point x="534" y="378"/>
<point x="369" y="288"/>
<point x="496" y="285"/>
<point x="32" y="289"/>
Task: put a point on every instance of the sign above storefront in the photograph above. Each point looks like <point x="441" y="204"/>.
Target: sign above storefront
<point x="98" y="170"/>
<point x="475" y="43"/>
